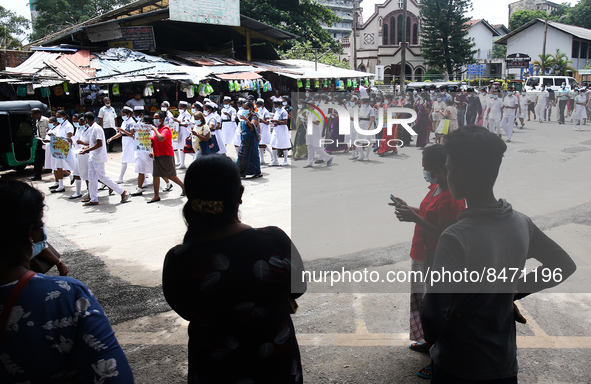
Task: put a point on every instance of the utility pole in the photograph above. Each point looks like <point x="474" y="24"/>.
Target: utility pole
<point x="403" y="50"/>
<point x="544" y="48"/>
<point x="355" y="35"/>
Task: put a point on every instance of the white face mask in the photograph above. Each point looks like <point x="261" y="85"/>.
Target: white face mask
<point x="107" y="105"/>
<point x="206" y="113"/>
<point x="198" y="123"/>
<point x="156" y="121"/>
<point x="164" y="109"/>
<point x="193" y="110"/>
<point x="124" y="118"/>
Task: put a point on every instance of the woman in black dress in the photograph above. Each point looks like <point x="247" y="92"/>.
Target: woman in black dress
<point x="232" y="282"/>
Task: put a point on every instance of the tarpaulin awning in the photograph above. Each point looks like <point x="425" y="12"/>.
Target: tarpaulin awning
<point x="239" y="76"/>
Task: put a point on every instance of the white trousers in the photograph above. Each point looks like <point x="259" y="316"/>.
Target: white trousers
<point x="540" y="109"/>
<point x="321" y="154"/>
<point x="494" y="125"/>
<point x="96" y="172"/>
<point x="508" y="121"/>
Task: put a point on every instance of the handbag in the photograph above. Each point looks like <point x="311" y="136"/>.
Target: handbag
<point x="42" y="265"/>
<point x="16" y="291"/>
<point x="209" y="147"/>
<point x="443" y="127"/>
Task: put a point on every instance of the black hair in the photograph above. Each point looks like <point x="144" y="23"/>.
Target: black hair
<point x="197" y="107"/>
<point x="22" y="207"/>
<point x="89" y="116"/>
<point x="223" y="185"/>
<point x="477" y="152"/>
<point x="161" y="115"/>
<point x="148" y="119"/>
<point x="78" y="116"/>
<point x="435" y="156"/>
<point x="249" y="104"/>
<point x="449" y="102"/>
<point x="63" y="113"/>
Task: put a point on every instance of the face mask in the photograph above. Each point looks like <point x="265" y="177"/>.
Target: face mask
<point x="193" y="110"/>
<point x="206" y="113"/>
<point x="76" y="124"/>
<point x="108" y="105"/>
<point x="509" y="93"/>
<point x="371" y="99"/>
<point x="39" y="246"/>
<point x="60" y="120"/>
<point x="432" y="91"/>
<point x="137" y="118"/>
<point x="523" y="94"/>
<point x="284" y="103"/>
<point x="164" y="109"/>
<point x="415" y="93"/>
<point x="227" y="106"/>
<point x="428" y="178"/>
<point x="156" y="121"/>
<point x="307" y="94"/>
<point x="124" y="118"/>
<point x="562" y="86"/>
<point x="495" y="97"/>
<point x="317" y="103"/>
<point x="198" y="123"/>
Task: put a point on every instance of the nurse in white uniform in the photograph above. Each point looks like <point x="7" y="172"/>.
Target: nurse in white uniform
<point x="580" y="110"/>
<point x="264" y="117"/>
<point x="127" y="141"/>
<point x="144" y="164"/>
<point x="280" y="135"/>
<point x="364" y="143"/>
<point x="65" y="131"/>
<point x="228" y="115"/>
<point x="48" y="158"/>
<point x="212" y="122"/>
<point x="237" y="140"/>
<point x="183" y="122"/>
<point x="352" y="136"/>
<point x="314" y="141"/>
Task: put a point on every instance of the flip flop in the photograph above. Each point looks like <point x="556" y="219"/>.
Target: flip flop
<point x="154" y="201"/>
<point x="419" y="348"/>
<point x="422" y="375"/>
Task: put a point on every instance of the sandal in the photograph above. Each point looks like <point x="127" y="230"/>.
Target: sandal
<point x="427" y="372"/>
<point x="419" y="347"/>
<point x="90" y="203"/>
<point x="257" y="176"/>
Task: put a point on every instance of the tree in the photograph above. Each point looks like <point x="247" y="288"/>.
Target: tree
<point x="11" y="27"/>
<point x="444" y="36"/>
<point x="524" y="16"/>
<point x="560" y="62"/>
<point x="579" y="14"/>
<point x="546" y="60"/>
<point x="305" y="51"/>
<point x="499" y="51"/>
<point x="304" y="19"/>
<point x="55" y="15"/>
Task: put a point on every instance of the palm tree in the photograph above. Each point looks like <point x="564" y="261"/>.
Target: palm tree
<point x="560" y="62"/>
<point x="547" y="64"/>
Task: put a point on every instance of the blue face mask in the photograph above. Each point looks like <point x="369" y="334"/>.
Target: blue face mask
<point x="439" y="99"/>
<point x="227" y="106"/>
<point x="125" y="118"/>
<point x="284" y="103"/>
<point x="39" y="246"/>
<point x="76" y="124"/>
<point x="156" y="121"/>
<point x="198" y="123"/>
<point x="428" y="178"/>
<point x="60" y="120"/>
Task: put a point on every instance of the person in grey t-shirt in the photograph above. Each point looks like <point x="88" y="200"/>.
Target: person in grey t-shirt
<point x="472" y="325"/>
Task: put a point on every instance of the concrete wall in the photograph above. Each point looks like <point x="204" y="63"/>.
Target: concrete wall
<point x="483" y="37"/>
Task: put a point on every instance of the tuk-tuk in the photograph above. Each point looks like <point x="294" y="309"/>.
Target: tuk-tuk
<point x="17" y="133"/>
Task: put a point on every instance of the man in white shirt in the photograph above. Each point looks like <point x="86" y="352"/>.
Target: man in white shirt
<point x="542" y="102"/>
<point x="510" y="107"/>
<point x="494" y="112"/>
<point x="96" y="165"/>
<point x="40" y="132"/>
<point x="136" y="101"/>
<point x="107" y="119"/>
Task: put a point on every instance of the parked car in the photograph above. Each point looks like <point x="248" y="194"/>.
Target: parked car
<point x="534" y="83"/>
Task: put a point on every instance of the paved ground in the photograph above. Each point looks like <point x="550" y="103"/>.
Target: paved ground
<point x="338" y="216"/>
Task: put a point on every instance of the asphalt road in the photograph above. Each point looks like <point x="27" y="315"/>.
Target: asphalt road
<point x="338" y="216"/>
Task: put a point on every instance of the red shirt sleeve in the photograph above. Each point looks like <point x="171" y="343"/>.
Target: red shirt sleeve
<point x="449" y="208"/>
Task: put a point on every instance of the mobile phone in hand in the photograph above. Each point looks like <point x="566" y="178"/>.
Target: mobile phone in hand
<point x="395" y="200"/>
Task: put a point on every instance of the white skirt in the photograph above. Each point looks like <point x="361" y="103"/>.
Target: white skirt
<point x="128" y="154"/>
<point x="82" y="166"/>
<point x="265" y="135"/>
<point x="228" y="130"/>
<point x="280" y="137"/>
<point x="237" y="140"/>
<point x="182" y="138"/>
<point x="48" y="158"/>
<point x="143" y="163"/>
<point x="580" y="113"/>
<point x="219" y="135"/>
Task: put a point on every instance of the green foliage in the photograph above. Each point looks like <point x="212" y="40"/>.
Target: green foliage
<point x="499" y="51"/>
<point x="547" y="61"/>
<point x="560" y="63"/>
<point x="11" y="27"/>
<point x="524" y="16"/>
<point x="446" y="45"/>
<point x="55" y="15"/>
<point x="305" y="51"/>
<point x="579" y="14"/>
<point x="432" y="74"/>
<point x="304" y="19"/>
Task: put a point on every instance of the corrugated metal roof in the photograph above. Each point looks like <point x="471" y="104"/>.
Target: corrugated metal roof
<point x="114" y="67"/>
<point x="231" y="69"/>
<point x="239" y="76"/>
<point x="80" y="58"/>
<point x="34" y="63"/>
<point x="68" y="69"/>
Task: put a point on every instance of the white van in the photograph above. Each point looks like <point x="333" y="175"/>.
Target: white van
<point x="533" y="83"/>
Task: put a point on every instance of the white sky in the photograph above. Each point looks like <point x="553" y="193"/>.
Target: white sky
<point x="495" y="11"/>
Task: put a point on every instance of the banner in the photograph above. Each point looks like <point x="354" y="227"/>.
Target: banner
<point x="174" y="130"/>
<point x="59" y="147"/>
<point x="143" y="142"/>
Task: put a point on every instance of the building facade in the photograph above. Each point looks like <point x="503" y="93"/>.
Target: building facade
<point x="483" y="35"/>
<point x="533" y="5"/>
<point x="345" y="10"/>
<point x="378" y="42"/>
